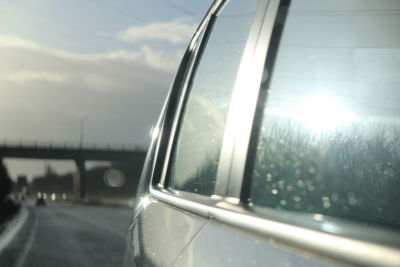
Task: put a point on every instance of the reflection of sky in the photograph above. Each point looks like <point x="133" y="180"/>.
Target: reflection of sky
<point x="345" y="56"/>
<point x="108" y="61"/>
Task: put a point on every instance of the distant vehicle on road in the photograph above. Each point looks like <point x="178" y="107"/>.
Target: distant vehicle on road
<point x="40" y="201"/>
<point x="279" y="143"/>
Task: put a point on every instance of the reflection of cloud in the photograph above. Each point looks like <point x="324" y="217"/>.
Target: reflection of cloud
<point x="177" y="31"/>
<point x="44" y="92"/>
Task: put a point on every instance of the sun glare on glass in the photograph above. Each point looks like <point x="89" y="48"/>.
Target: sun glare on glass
<point x="323" y="113"/>
<point x="319" y="113"/>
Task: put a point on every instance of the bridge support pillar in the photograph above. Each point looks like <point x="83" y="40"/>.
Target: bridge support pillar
<point x="79" y="179"/>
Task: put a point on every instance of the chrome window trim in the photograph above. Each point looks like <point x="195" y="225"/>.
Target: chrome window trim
<point x="338" y="248"/>
<point x="244" y="100"/>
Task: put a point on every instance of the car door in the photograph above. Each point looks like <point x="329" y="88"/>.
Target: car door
<point x="236" y="175"/>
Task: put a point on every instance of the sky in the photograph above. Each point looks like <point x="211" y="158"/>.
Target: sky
<point x="106" y="64"/>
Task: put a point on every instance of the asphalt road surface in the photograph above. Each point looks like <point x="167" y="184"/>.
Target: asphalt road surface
<point x="69" y="235"/>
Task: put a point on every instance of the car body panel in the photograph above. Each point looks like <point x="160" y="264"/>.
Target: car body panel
<point x="218" y="245"/>
<point x="162" y="233"/>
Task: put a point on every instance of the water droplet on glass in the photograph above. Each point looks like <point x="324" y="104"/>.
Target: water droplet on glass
<point x="352" y="201"/>
<point x="325" y="199"/>
<point x="311" y="169"/>
<point x="296" y="164"/>
<point x="326" y="202"/>
<point x="326" y="205"/>
<point x="300" y="183"/>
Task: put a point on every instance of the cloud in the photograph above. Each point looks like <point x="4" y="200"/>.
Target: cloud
<point x="13" y="42"/>
<point x="45" y="92"/>
<point x="177" y="31"/>
<point x="16" y="42"/>
<point x="29" y="76"/>
<point x="164" y="60"/>
<point x="160" y="59"/>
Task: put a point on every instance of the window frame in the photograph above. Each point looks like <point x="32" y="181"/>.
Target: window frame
<point x="247" y="61"/>
<point x="178" y="120"/>
<point x="167" y="124"/>
<point x="228" y="205"/>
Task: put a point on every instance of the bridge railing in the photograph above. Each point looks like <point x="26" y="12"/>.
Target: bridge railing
<point x="71" y="145"/>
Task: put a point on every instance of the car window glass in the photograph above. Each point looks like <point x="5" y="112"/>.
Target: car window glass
<point x="329" y="140"/>
<point x="195" y="159"/>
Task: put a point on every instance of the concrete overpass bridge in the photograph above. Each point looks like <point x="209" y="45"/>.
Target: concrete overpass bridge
<point x="78" y="153"/>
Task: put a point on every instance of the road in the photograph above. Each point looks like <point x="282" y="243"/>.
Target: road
<point x="69" y="235"/>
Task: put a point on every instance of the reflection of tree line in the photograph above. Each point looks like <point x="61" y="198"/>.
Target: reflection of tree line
<point x="352" y="173"/>
<point x="202" y="181"/>
<point x="201" y="138"/>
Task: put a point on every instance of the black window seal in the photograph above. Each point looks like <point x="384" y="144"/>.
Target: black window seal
<point x="167" y="118"/>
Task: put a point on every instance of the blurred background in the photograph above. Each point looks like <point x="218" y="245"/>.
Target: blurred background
<point x="82" y="83"/>
<point x="85" y="74"/>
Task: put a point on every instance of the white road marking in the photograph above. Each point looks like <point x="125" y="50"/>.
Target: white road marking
<point x="22" y="256"/>
<point x="13" y="228"/>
